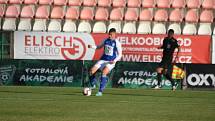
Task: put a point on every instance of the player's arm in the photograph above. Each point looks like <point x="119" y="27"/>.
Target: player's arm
<point x="178" y="50"/>
<point x="119" y="52"/>
<point x="164" y="43"/>
<point x="97" y="47"/>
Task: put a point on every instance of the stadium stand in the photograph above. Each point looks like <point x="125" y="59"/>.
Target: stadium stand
<point x="131" y="17"/>
<point x="86" y="17"/>
<point x="116" y="17"/>
<point x="148" y="3"/>
<point x="206" y="18"/>
<point x="30" y="1"/>
<point x="127" y="16"/>
<point x="104" y="3"/>
<point x="27" y="15"/>
<point x="161" y="17"/>
<point x="11" y="15"/>
<point x="74" y="2"/>
<point x="72" y="15"/>
<point x="178" y="3"/>
<point x="101" y="16"/>
<point x="145" y="19"/>
<point x="41" y="18"/>
<point x="175" y="18"/>
<point x="57" y="15"/>
<point x="191" y="19"/>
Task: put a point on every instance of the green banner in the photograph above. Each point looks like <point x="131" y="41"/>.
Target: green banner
<point x="41" y="73"/>
<point x="75" y="73"/>
<point x="139" y="75"/>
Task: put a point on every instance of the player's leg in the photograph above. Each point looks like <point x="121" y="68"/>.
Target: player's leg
<point x="92" y="73"/>
<point x="159" y="74"/>
<point x="104" y="78"/>
<point x="168" y="76"/>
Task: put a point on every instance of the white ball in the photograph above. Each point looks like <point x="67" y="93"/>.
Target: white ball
<point x="87" y="91"/>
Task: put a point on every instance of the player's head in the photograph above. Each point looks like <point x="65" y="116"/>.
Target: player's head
<point x="170" y="33"/>
<point x="112" y="33"/>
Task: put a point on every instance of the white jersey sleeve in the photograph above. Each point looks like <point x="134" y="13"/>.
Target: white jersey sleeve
<point x="119" y="51"/>
<point x="98" y="46"/>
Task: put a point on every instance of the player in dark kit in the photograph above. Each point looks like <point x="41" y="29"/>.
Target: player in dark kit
<point x="169" y="46"/>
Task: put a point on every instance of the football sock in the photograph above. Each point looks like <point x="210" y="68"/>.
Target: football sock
<point x="170" y="79"/>
<point x="103" y="83"/>
<point x="93" y="80"/>
<point x="159" y="79"/>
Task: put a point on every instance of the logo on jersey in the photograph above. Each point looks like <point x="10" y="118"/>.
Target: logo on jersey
<point x="109" y="50"/>
<point x="113" y="44"/>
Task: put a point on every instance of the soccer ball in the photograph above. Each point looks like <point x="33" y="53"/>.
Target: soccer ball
<point x="87" y="91"/>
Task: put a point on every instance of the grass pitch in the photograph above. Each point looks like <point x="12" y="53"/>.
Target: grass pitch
<point x="68" y="104"/>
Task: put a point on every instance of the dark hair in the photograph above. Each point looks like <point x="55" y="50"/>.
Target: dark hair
<point x="171" y="31"/>
<point x="112" y="30"/>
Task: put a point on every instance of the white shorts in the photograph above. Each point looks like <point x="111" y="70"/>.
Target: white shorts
<point x="102" y="63"/>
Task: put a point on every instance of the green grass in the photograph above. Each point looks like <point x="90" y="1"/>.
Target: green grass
<point x="68" y="104"/>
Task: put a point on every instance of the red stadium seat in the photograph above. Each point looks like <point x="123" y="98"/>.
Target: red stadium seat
<point x="12" y="11"/>
<point x="42" y="12"/>
<point x="116" y="14"/>
<point x="208" y="4"/>
<point x="146" y="15"/>
<point x="15" y="1"/>
<point x="87" y="14"/>
<point x="176" y="16"/>
<point x="3" y="1"/>
<point x="2" y="10"/>
<point x="57" y="13"/>
<point x="89" y="2"/>
<point x="72" y="13"/>
<point x="104" y="3"/>
<point x="178" y="3"/>
<point x="192" y="16"/>
<point x="161" y="15"/>
<point x="75" y="2"/>
<point x="131" y="14"/>
<point x="101" y="14"/>
<point x="148" y="3"/>
<point x="30" y="1"/>
<point x="214" y="8"/>
<point x="45" y="2"/>
<point x="193" y="3"/>
<point x="27" y="12"/>
<point x="206" y="16"/>
<point x="60" y="2"/>
<point x="163" y="3"/>
<point x="119" y="3"/>
<point x="134" y="3"/>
